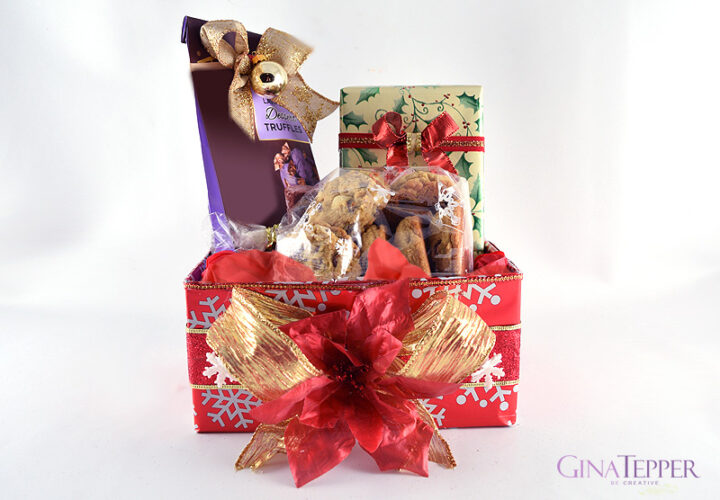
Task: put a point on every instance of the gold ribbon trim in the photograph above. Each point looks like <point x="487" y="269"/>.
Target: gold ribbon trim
<point x="277" y="46"/>
<point x="497" y="328"/>
<point x="195" y="285"/>
<point x="501" y="383"/>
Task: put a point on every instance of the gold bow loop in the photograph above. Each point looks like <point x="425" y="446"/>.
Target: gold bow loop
<point x="276" y="46"/>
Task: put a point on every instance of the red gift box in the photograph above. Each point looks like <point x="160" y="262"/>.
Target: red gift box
<point x="226" y="407"/>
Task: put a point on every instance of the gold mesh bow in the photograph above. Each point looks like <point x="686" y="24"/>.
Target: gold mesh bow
<point x="297" y="97"/>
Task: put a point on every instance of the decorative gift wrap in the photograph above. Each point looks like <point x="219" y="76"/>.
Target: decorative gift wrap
<point x="487" y="398"/>
<point x="417" y="125"/>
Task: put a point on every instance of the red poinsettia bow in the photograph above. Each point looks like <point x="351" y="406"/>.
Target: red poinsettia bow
<point x="389" y="133"/>
<point x="334" y="379"/>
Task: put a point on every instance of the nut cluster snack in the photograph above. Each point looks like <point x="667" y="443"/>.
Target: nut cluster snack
<point x="423" y="212"/>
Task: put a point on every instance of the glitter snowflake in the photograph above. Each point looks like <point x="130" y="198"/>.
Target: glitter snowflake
<point x="438" y="415"/>
<point x="231" y="404"/>
<point x="217" y="369"/>
<point x="447" y="203"/>
<point x="489" y="369"/>
<point x="207" y="316"/>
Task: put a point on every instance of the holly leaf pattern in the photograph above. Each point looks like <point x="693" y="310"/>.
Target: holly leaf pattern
<point x="399" y="105"/>
<point x="343" y="95"/>
<point x="478" y="239"/>
<point x="470" y="101"/>
<point x="463" y="167"/>
<point x="367" y="155"/>
<point x="345" y="158"/>
<point x="353" y="118"/>
<point x="367" y="93"/>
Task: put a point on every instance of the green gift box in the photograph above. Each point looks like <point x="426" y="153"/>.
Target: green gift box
<point x="439" y="125"/>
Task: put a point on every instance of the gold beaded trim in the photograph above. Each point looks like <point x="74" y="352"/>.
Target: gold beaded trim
<point x="194" y="285"/>
<point x="500" y="328"/>
<point x="369" y="141"/>
<point x="236" y="386"/>
<point x="358" y="140"/>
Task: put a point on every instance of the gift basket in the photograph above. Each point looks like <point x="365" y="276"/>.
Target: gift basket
<point x="363" y="307"/>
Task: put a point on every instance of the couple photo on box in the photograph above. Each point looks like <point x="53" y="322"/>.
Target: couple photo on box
<point x="296" y="165"/>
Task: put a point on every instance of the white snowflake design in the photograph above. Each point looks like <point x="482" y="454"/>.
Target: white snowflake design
<point x="207" y="316"/>
<point x="489" y="369"/>
<point x="303" y="299"/>
<point x="384" y="193"/>
<point x="438" y="415"/>
<point x="217" y="369"/>
<point x="447" y="203"/>
<point x="499" y="394"/>
<point x="230" y="404"/>
<point x="457" y="291"/>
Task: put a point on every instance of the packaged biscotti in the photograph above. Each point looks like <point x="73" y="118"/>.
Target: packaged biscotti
<point x="429" y="217"/>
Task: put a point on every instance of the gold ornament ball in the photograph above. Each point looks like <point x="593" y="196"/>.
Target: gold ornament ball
<point x="268" y="78"/>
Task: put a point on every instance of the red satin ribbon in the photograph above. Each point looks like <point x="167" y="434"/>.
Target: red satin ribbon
<point x="389" y="133"/>
<point x="437" y="130"/>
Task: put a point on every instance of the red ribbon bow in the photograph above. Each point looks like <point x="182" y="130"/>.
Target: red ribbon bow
<point x="336" y="378"/>
<point x="389" y="133"/>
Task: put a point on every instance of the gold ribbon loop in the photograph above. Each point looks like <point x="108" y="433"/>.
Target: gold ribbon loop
<point x="212" y="35"/>
<point x="278" y="47"/>
<point x="255" y="352"/>
<point x="266" y="443"/>
<point x="450" y="341"/>
<point x="283" y="49"/>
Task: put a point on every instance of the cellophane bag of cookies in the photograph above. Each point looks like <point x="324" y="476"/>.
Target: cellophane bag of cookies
<point x="324" y="230"/>
<point x="430" y="220"/>
<point x="422" y="211"/>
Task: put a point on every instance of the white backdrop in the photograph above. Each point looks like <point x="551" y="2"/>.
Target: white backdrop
<point x="602" y="178"/>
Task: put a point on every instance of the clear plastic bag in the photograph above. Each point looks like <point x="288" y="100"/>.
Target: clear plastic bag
<point x="324" y="229"/>
<point x="424" y="212"/>
<point x="430" y="220"/>
<point x="232" y="235"/>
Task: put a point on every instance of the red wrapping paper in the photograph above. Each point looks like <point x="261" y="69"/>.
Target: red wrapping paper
<point x="495" y="297"/>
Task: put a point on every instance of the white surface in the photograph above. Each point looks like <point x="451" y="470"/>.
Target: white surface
<point x="602" y="180"/>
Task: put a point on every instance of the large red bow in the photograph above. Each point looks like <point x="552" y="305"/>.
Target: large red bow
<point x="337" y="378"/>
<point x="389" y="133"/>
